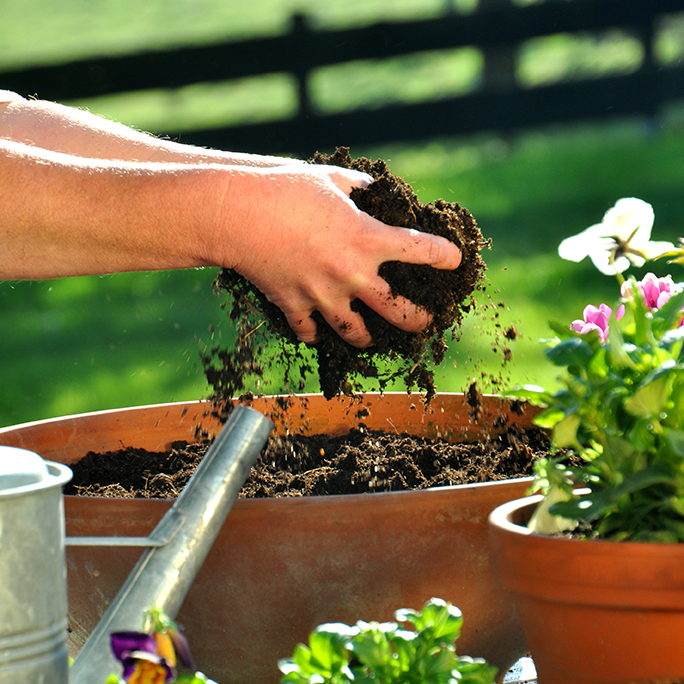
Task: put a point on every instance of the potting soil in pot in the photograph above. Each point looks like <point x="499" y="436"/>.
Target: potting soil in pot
<point x="361" y="461"/>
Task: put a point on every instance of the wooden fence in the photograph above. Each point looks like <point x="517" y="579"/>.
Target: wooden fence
<point x="496" y="28"/>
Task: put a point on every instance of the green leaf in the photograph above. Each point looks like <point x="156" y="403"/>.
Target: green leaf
<point x="591" y="506"/>
<point x="572" y="352"/>
<point x="561" y="329"/>
<point x="328" y="644"/>
<point x="439" y="665"/>
<point x="653" y="393"/>
<point x="534" y="393"/>
<point x="444" y="619"/>
<point x="385" y="653"/>
<point x="654" y="537"/>
<point x="617" y="352"/>
<point x="372" y="647"/>
<point x="565" y="431"/>
<point x="675" y="441"/>
<point x="547" y="419"/>
<point x="197" y="678"/>
<point x="113" y="679"/>
<point x="475" y="671"/>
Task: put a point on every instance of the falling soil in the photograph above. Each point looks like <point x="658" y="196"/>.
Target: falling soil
<point x="446" y="295"/>
<point x="362" y="461"/>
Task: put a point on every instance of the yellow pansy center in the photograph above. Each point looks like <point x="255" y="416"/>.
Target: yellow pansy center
<point x="147" y="672"/>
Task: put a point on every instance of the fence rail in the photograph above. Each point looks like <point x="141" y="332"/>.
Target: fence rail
<point x="303" y="49"/>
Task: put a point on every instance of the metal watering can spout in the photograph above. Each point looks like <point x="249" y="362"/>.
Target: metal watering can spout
<point x="180" y="542"/>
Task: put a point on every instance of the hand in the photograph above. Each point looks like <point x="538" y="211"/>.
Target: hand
<point x="309" y="248"/>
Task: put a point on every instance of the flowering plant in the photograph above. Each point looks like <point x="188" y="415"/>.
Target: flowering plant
<point x="620" y="407"/>
<point x="152" y="655"/>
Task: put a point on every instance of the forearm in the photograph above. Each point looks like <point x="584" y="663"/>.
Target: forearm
<point x="62" y="216"/>
<point x="73" y="131"/>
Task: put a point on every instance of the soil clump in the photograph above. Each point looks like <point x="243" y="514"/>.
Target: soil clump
<point x="446" y="295"/>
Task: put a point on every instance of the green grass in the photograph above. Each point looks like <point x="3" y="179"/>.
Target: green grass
<point x="83" y="344"/>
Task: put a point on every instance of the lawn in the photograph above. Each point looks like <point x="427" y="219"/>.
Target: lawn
<point x="83" y="344"/>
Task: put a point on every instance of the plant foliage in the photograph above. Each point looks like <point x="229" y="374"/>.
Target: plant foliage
<point x="620" y="406"/>
<point x="419" y="648"/>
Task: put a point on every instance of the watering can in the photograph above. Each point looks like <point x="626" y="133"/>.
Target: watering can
<point x="33" y="597"/>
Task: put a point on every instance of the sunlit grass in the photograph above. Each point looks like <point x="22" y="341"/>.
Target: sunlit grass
<point x="202" y="105"/>
<point x="412" y="78"/>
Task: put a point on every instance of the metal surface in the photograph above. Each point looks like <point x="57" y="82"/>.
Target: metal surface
<point x="33" y="594"/>
<point x="164" y="574"/>
<point x="157" y="538"/>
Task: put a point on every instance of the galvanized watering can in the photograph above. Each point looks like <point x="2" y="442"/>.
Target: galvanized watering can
<point x="33" y="592"/>
<point x="33" y="596"/>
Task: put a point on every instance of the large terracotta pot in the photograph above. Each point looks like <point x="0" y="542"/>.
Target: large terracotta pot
<point x="593" y="611"/>
<point x="281" y="566"/>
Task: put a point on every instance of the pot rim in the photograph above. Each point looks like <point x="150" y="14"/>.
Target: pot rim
<point x="202" y="403"/>
<point x="151" y="420"/>
<point x="501" y="516"/>
<point x="584" y="571"/>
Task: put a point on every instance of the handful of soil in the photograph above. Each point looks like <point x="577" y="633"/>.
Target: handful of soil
<point x="446" y="295"/>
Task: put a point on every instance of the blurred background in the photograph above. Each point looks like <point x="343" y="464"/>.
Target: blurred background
<point x="535" y="115"/>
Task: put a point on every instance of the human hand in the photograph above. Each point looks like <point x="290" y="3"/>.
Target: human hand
<point x="308" y="248"/>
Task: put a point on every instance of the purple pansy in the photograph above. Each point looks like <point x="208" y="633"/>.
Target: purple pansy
<point x="128" y="642"/>
<point x="143" y="667"/>
<point x="181" y="647"/>
<point x="138" y="652"/>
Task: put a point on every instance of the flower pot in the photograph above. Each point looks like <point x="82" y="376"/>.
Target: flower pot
<point x="593" y="611"/>
<point x="281" y="566"/>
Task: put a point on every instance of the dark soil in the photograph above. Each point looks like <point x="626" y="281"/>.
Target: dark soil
<point x="447" y="295"/>
<point x="362" y="461"/>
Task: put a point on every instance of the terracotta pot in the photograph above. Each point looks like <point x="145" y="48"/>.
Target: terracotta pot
<point x="281" y="566"/>
<point x="593" y="611"/>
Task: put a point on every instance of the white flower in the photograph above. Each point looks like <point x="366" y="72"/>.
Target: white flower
<point x="621" y="239"/>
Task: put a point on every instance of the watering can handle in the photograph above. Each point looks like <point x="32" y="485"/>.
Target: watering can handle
<point x="157" y="539"/>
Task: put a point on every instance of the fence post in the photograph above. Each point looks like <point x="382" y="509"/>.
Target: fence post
<point x="300" y="32"/>
<point x="499" y="62"/>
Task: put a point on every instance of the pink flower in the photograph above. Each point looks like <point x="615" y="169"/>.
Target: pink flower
<point x="595" y="318"/>
<point x="654" y="291"/>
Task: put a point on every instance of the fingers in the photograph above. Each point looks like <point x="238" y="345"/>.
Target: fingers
<point x="348" y="324"/>
<point x="303" y="326"/>
<point x="399" y="311"/>
<point x="415" y="247"/>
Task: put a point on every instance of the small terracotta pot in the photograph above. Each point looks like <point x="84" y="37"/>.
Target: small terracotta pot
<point x="593" y="611"/>
<point x="282" y="566"/>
